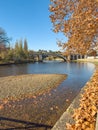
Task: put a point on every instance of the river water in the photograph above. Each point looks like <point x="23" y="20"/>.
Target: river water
<point x="47" y="109"/>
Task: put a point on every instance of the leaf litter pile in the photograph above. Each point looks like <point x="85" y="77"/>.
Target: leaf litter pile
<point x="85" y="115"/>
<point x="27" y="86"/>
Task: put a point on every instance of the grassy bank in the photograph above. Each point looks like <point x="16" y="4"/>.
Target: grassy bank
<point x="95" y="61"/>
<point x="17" y="87"/>
<point x="15" y="62"/>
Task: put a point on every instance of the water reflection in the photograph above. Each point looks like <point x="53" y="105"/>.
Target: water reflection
<point x="13" y="70"/>
<point x="47" y="67"/>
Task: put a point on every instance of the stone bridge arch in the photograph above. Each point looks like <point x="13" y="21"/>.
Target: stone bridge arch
<point x="44" y="55"/>
<point x="41" y="56"/>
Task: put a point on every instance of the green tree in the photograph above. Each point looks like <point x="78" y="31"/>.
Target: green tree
<point x="16" y="51"/>
<point x="26" y="48"/>
<point x="10" y="55"/>
<point x="17" y="46"/>
<point x="19" y="53"/>
<point x="20" y="45"/>
<point x="25" y="45"/>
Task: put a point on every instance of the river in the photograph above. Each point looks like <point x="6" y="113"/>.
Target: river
<point x="47" y="109"/>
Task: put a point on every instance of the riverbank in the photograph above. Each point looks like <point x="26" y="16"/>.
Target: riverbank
<point x="95" y="61"/>
<point x="22" y="100"/>
<point x="16" y="62"/>
<point x="17" y="87"/>
<point x="26" y="61"/>
<point x="82" y="112"/>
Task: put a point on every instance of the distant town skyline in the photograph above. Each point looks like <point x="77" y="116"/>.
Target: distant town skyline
<point x="29" y="19"/>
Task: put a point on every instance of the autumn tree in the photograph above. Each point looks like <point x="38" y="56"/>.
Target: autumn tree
<point x="77" y="20"/>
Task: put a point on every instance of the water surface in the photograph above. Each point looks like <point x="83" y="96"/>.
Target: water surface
<point x="47" y="108"/>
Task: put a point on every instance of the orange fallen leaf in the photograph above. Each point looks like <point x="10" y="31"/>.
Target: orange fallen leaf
<point x="1" y="107"/>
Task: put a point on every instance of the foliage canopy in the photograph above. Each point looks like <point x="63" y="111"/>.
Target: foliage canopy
<point x="78" y="20"/>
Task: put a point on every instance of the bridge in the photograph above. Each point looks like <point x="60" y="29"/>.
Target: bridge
<point x="43" y="55"/>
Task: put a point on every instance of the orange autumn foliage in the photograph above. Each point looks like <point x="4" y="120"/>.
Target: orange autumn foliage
<point x="85" y="115"/>
<point x="78" y="20"/>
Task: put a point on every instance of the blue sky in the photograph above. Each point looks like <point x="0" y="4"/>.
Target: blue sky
<point x="29" y="19"/>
